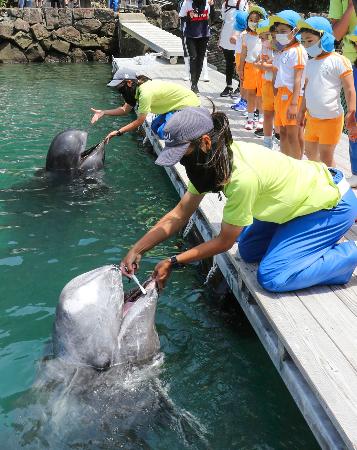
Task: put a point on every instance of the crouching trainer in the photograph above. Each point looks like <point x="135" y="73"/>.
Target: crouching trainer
<point x="159" y="97"/>
<point x="286" y="214"/>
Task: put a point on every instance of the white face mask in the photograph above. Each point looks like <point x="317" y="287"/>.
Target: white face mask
<point x="284" y="39"/>
<point x="252" y="25"/>
<point x="314" y="50"/>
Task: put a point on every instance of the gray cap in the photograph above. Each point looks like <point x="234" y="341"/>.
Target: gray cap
<point x="121" y="75"/>
<point x="181" y="129"/>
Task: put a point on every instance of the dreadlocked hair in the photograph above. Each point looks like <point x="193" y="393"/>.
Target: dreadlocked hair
<point x="221" y="155"/>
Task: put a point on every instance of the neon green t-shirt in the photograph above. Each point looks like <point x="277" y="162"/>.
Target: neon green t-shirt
<point x="273" y="187"/>
<point x="336" y="11"/>
<point x="160" y="97"/>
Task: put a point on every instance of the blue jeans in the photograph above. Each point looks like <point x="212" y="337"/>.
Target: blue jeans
<point x="25" y="3"/>
<point x="304" y="251"/>
<point x="353" y="145"/>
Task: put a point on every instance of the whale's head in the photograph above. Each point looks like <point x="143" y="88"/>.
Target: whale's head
<point x="68" y="153"/>
<point x="97" y="326"/>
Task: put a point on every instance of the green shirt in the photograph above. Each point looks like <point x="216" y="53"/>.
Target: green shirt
<point x="273" y="187"/>
<point x="160" y="97"/>
<point x="336" y="11"/>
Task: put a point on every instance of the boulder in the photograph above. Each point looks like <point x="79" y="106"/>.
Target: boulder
<point x="100" y="56"/>
<point x="104" y="15"/>
<point x="10" y="53"/>
<point x="21" y="39"/>
<point x="35" y="53"/>
<point x="6" y="29"/>
<point x="82" y="13"/>
<point x="61" y="46"/>
<point x="89" y="41"/>
<point x="156" y="22"/>
<point x="107" y="29"/>
<point x="16" y="12"/>
<point x="65" y="17"/>
<point x="52" y="19"/>
<point x="47" y="44"/>
<point x="39" y="32"/>
<point x="170" y="20"/>
<point x="152" y="11"/>
<point x="78" y="55"/>
<point x="88" y="25"/>
<point x="55" y="57"/>
<point x="104" y="43"/>
<point x="68" y="34"/>
<point x="21" y="25"/>
<point x="32" y="15"/>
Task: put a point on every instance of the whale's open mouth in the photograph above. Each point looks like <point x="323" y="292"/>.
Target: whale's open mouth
<point x="134" y="294"/>
<point x="90" y="151"/>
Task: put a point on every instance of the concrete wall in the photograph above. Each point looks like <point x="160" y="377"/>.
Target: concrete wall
<point x="53" y="35"/>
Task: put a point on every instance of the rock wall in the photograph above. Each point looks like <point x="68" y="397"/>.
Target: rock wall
<point x="57" y="35"/>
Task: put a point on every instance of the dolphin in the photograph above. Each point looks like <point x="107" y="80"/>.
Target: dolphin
<point x="67" y="153"/>
<point x="98" y="326"/>
<point x="100" y="387"/>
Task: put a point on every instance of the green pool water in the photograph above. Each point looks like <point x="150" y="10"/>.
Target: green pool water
<point x="214" y="367"/>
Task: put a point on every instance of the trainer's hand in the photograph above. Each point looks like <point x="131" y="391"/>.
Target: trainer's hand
<point x="110" y="136"/>
<point x="98" y="114"/>
<point x="130" y="263"/>
<point x="292" y="112"/>
<point x="162" y="272"/>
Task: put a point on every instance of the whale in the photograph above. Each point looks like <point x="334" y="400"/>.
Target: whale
<point x="67" y="153"/>
<point x="97" y="326"/>
<point x="100" y="384"/>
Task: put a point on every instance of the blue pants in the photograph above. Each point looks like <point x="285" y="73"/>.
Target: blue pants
<point x="353" y="145"/>
<point x="303" y="252"/>
<point x="114" y="5"/>
<point x="159" y="123"/>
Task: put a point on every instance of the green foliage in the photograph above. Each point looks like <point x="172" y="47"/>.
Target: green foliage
<point x="301" y="6"/>
<point x="3" y="3"/>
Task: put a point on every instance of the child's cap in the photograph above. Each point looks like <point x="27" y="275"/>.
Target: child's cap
<point x="263" y="26"/>
<point x="287" y="17"/>
<point x="353" y="37"/>
<point x="323" y="26"/>
<point x="258" y="9"/>
<point x="241" y="18"/>
<point x="316" y="23"/>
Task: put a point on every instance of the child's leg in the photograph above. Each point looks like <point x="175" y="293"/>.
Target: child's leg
<point x="251" y="99"/>
<point x="268" y="128"/>
<point x="284" y="143"/>
<point x="294" y="145"/>
<point x="326" y="152"/>
<point x="312" y="150"/>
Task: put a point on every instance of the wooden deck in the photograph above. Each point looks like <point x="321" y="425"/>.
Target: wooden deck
<point x="310" y="335"/>
<point x="155" y="38"/>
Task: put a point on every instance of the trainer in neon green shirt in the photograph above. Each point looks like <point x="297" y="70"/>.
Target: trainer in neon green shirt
<point x="287" y="215"/>
<point x="344" y="21"/>
<point x="150" y="96"/>
<point x="271" y="187"/>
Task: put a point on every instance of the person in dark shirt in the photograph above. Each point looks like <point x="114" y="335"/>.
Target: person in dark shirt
<point x="196" y="32"/>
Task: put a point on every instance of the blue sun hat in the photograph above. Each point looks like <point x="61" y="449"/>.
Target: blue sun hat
<point x="322" y="26"/>
<point x="258" y="9"/>
<point x="353" y="37"/>
<point x="287" y="17"/>
<point x="263" y="26"/>
<point x="241" y="20"/>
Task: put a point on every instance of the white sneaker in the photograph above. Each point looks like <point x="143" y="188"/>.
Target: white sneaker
<point x="352" y="181"/>
<point x="250" y="125"/>
<point x="260" y="124"/>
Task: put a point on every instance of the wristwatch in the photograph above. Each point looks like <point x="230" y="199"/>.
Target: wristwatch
<point x="174" y="263"/>
<point x="119" y="133"/>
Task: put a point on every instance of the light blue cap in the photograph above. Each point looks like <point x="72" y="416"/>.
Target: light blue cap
<point x="323" y="26"/>
<point x="241" y="18"/>
<point x="263" y="26"/>
<point x="288" y="17"/>
<point x="258" y="9"/>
